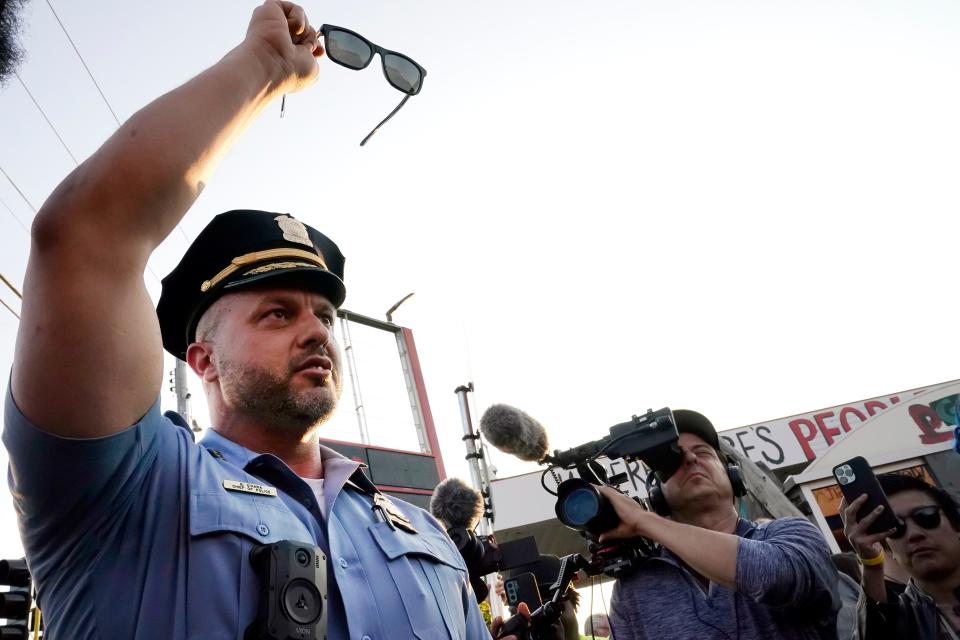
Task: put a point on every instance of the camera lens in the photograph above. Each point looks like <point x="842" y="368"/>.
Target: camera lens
<point x="303" y="557"/>
<point x="580" y="507"/>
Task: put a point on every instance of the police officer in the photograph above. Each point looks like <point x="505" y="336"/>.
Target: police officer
<point x="132" y="530"/>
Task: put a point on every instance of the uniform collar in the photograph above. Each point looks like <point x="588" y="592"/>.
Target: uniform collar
<point x="336" y="468"/>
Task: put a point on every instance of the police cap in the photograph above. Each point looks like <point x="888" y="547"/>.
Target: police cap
<point x="239" y="248"/>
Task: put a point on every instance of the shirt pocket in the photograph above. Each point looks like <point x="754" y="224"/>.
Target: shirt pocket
<point x="224" y="528"/>
<point x="431" y="581"/>
<point x="262" y="519"/>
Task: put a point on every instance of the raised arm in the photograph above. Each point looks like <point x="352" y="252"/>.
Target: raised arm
<point x="88" y="358"/>
<point x="792" y="567"/>
<point x="869" y="547"/>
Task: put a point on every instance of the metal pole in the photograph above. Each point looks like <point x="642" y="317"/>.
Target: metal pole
<point x="470" y="439"/>
<point x="480" y="476"/>
<point x="397" y="306"/>
<point x="354" y="381"/>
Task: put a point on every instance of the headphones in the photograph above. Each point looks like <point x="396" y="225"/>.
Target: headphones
<point x="658" y="501"/>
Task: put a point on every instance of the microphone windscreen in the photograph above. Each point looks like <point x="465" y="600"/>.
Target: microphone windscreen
<point x="513" y="431"/>
<point x="456" y="504"/>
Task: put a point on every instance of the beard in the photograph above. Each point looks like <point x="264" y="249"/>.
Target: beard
<point x="10" y="52"/>
<point x="271" y="399"/>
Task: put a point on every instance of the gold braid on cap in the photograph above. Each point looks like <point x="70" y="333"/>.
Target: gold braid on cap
<point x="259" y="256"/>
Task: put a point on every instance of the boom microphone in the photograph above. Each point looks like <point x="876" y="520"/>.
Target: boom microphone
<point x="513" y="431"/>
<point x="456" y="504"/>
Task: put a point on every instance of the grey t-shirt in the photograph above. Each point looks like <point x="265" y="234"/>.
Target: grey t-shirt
<point x="786" y="588"/>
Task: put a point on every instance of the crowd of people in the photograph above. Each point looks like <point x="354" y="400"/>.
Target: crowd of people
<point x="718" y="575"/>
<point x="133" y="530"/>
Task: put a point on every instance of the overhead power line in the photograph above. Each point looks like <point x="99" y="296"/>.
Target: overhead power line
<point x="66" y="147"/>
<point x="22" y="194"/>
<point x="10" y="309"/>
<point x="11" y="286"/>
<point x="34" y="209"/>
<point x="15" y="216"/>
<point x="84" y="63"/>
<point x="44" y="114"/>
<point x="97" y="85"/>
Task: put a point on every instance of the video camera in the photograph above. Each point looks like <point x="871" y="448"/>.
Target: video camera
<point x="650" y="439"/>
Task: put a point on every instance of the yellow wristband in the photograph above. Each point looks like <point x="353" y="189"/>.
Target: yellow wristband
<point x="871" y="562"/>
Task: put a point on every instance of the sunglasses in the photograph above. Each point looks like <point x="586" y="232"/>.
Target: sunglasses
<point x="351" y="50"/>
<point x="924" y="517"/>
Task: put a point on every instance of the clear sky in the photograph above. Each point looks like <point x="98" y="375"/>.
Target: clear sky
<point x="742" y="207"/>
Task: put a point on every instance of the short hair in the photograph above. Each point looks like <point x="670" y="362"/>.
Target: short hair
<point x="894" y="483"/>
<point x="209" y="322"/>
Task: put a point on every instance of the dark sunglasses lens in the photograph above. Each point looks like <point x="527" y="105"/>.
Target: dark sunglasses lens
<point x="928" y="518"/>
<point x="348" y="49"/>
<point x="402" y="73"/>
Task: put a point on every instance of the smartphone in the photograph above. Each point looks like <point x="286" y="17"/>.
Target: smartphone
<point x="523" y="588"/>
<point x="855" y="478"/>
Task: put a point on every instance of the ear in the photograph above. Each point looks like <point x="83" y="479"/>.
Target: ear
<point x="200" y="359"/>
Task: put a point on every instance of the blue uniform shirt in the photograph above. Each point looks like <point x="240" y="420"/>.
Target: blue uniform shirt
<point x="135" y="536"/>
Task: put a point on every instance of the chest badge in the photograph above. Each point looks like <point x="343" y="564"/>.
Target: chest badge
<point x="249" y="487"/>
<point x="391" y="514"/>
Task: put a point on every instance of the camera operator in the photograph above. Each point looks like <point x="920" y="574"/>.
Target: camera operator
<point x="717" y="575"/>
<point x="928" y="550"/>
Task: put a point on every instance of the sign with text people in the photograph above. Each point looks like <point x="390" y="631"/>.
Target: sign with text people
<point x="804" y="437"/>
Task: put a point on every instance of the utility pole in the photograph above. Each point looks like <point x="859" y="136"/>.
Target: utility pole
<point x="476" y="460"/>
<point x="480" y="478"/>
<point x="182" y="391"/>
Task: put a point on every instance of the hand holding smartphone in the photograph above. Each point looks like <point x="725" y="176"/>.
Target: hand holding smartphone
<point x="523" y="588"/>
<point x="874" y="519"/>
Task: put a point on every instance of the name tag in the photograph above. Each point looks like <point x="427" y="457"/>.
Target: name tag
<point x="249" y="487"/>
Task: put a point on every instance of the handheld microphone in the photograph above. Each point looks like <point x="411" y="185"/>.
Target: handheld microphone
<point x="456" y="504"/>
<point x="515" y="432"/>
<point x="459" y="507"/>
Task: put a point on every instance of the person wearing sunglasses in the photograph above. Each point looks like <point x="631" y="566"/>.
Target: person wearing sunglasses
<point x="928" y="550"/>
